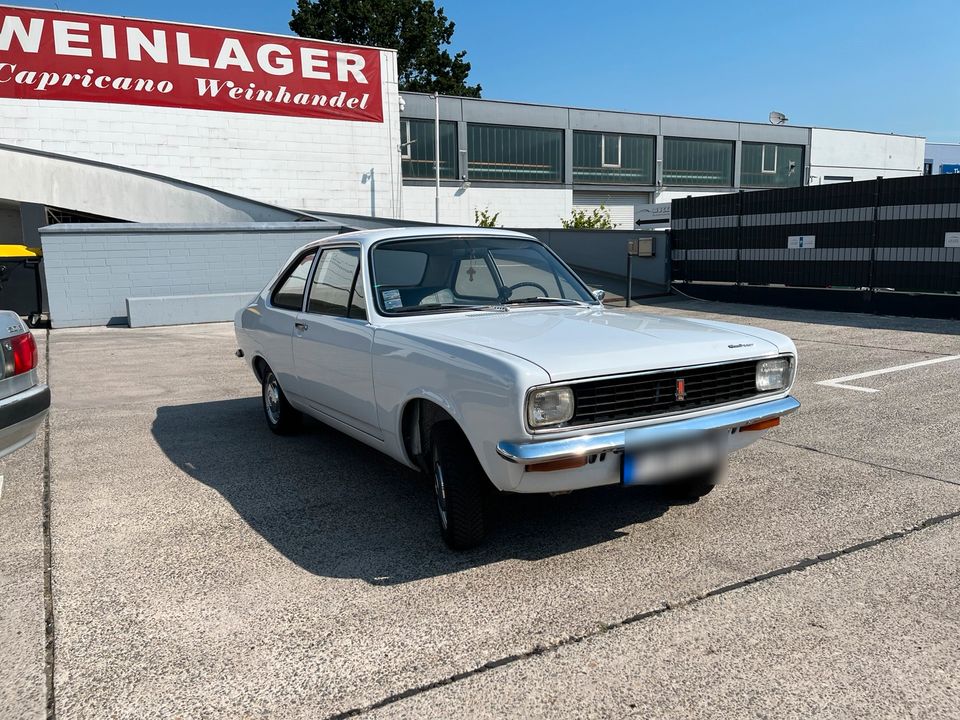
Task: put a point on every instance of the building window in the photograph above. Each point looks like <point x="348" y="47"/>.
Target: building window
<point x="417" y="148"/>
<point x="610" y="147"/>
<point x="768" y="159"/>
<point x="605" y="158"/>
<point x="928" y="167"/>
<point x="405" y="140"/>
<point x="771" y="165"/>
<point x="514" y="154"/>
<point x="688" y="161"/>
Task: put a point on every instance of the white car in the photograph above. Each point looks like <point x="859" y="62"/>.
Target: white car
<point x="479" y="357"/>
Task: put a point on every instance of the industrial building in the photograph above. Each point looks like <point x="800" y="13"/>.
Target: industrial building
<point x="264" y="137"/>
<point x="941" y="159"/>
<point x="273" y="151"/>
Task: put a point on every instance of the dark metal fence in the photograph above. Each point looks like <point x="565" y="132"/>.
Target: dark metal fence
<point x="899" y="234"/>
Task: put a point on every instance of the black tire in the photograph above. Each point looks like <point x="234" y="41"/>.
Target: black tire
<point x="691" y="489"/>
<point x="460" y="488"/>
<point x="282" y="418"/>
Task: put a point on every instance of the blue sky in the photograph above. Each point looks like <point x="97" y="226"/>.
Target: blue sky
<point x="881" y="65"/>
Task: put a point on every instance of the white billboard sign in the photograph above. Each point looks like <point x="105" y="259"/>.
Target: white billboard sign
<point x="798" y="242"/>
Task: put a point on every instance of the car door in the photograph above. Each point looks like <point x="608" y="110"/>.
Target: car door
<point x="279" y="317"/>
<point x="332" y="342"/>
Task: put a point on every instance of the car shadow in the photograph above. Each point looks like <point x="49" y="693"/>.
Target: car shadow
<point x="338" y="508"/>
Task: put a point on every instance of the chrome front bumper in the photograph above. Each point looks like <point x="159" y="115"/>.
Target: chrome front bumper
<point x="538" y="451"/>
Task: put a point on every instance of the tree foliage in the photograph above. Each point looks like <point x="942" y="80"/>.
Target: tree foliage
<point x="599" y="219"/>
<point x="416" y="29"/>
<point x="485" y="219"/>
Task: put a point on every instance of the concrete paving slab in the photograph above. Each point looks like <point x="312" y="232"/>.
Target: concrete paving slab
<point x="872" y="634"/>
<point x="22" y="635"/>
<point x="204" y="567"/>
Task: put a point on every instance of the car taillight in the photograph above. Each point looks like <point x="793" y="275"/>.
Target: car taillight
<point x="20" y="354"/>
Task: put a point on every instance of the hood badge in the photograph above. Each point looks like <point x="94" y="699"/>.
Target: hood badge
<point x="740" y="345"/>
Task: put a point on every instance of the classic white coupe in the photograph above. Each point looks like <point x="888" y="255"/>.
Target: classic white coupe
<point x="479" y="357"/>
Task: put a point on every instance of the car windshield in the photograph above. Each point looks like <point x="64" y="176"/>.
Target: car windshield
<point x="450" y="274"/>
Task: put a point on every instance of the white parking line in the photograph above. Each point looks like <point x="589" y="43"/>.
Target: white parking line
<point x="1" y="486"/>
<point x="838" y="382"/>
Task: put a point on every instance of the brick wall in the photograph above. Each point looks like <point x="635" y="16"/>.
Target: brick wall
<point x="92" y="269"/>
<point x="540" y="207"/>
<point x="293" y="162"/>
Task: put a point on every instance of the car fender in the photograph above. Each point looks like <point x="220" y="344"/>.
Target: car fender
<point x="483" y="390"/>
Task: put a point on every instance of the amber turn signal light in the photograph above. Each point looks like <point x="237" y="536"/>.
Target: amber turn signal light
<point x="762" y="425"/>
<point x="566" y="464"/>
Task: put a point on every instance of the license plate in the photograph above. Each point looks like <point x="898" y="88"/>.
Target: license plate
<point x="656" y="464"/>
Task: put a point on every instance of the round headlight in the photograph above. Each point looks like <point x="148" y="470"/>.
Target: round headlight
<point x="773" y="374"/>
<point x="549" y="406"/>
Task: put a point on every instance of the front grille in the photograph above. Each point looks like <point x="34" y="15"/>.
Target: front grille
<point x="639" y="396"/>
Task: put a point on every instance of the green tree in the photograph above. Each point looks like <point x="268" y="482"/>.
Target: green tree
<point x="485" y="219"/>
<point x="582" y="220"/>
<point x="416" y="29"/>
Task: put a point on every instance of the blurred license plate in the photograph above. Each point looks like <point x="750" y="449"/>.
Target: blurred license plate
<point x="658" y="463"/>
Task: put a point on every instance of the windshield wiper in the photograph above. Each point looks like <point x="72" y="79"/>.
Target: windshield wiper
<point x="432" y="307"/>
<point x="545" y="301"/>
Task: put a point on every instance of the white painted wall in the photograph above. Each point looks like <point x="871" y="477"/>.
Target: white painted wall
<point x="304" y="163"/>
<point x="665" y="196"/>
<point x="518" y="207"/>
<point x="863" y="155"/>
<point x="92" y="269"/>
<point x="60" y="181"/>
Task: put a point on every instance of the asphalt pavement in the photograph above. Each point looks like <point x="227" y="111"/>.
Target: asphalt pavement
<point x="202" y="567"/>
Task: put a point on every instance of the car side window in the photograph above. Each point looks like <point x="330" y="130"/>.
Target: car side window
<point x="332" y="281"/>
<point x="289" y="292"/>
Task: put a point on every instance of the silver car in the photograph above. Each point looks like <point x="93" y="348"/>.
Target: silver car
<point x="24" y="402"/>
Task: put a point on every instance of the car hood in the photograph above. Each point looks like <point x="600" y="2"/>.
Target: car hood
<point x="571" y="343"/>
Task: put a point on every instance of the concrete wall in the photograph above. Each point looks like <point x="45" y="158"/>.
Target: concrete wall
<point x="41" y="178"/>
<point x="605" y="252"/>
<point x="863" y="155"/>
<point x="92" y="269"/>
<point x="288" y="161"/>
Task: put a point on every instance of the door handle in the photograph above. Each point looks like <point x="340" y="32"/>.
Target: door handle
<point x="301" y="326"/>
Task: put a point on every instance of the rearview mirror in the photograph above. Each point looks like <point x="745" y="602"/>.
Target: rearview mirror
<point x="599" y="295"/>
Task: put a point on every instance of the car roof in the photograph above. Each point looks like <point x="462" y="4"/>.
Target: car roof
<point x="368" y="237"/>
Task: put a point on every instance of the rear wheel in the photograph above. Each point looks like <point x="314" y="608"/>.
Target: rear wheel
<point x="460" y="488"/>
<point x="282" y="418"/>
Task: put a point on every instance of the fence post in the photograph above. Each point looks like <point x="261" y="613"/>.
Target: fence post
<point x="874" y="236"/>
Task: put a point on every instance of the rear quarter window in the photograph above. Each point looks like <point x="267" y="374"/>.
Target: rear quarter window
<point x="289" y="291"/>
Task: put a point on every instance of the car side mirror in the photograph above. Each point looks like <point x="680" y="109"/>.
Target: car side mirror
<point x="599" y="295"/>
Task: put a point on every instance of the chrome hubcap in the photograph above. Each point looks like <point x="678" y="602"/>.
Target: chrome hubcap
<point x="272" y="401"/>
<point x="440" y="489"/>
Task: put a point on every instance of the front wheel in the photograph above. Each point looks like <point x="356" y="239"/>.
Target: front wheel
<point x="459" y="486"/>
<point x="282" y="418"/>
